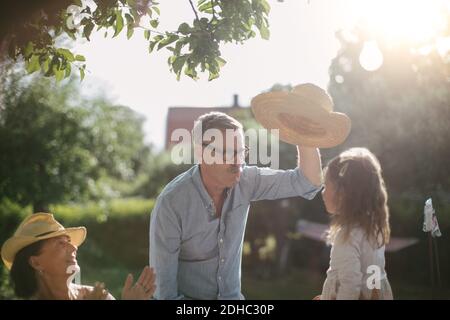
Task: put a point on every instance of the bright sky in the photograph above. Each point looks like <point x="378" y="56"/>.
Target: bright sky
<point x="300" y="49"/>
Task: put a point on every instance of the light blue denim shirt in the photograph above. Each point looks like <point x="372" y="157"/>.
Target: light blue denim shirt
<point x="195" y="253"/>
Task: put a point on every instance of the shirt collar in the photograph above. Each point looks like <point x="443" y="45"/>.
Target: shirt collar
<point x="198" y="183"/>
<point x="197" y="179"/>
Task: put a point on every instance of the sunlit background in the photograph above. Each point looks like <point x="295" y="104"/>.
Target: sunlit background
<point x="300" y="49"/>
<point x="385" y="63"/>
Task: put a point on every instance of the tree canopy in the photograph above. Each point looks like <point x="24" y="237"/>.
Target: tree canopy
<point x="56" y="146"/>
<point x="29" y="29"/>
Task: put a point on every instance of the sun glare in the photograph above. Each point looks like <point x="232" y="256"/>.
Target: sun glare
<point x="405" y="20"/>
<point x="419" y="23"/>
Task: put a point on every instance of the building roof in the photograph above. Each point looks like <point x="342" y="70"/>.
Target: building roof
<point x="184" y="117"/>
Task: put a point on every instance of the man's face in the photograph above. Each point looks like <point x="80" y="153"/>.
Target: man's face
<point x="223" y="158"/>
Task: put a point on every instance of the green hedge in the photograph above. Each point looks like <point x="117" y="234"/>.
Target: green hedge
<point x="117" y="230"/>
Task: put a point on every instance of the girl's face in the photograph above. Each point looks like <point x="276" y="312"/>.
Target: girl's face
<point x="329" y="195"/>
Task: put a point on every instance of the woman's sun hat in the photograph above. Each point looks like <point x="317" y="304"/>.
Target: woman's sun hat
<point x="36" y="227"/>
<point x="304" y="116"/>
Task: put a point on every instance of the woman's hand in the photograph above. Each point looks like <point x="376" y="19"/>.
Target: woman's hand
<point x="143" y="289"/>
<point x="98" y="292"/>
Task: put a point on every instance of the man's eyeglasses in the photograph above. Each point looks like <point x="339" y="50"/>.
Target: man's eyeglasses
<point x="227" y="155"/>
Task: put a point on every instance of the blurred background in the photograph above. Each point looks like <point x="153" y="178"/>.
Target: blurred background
<point x="84" y="150"/>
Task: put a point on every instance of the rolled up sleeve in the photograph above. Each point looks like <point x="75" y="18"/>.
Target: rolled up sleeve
<point x="270" y="184"/>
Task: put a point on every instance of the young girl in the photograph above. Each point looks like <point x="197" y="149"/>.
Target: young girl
<point x="356" y="198"/>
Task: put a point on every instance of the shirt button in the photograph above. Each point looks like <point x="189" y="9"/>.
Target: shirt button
<point x="220" y="278"/>
<point x="222" y="260"/>
<point x="221" y="240"/>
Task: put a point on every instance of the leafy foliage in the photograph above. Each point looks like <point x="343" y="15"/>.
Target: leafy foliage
<point x="55" y="146"/>
<point x="29" y="30"/>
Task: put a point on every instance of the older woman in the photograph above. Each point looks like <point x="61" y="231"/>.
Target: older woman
<point x="42" y="258"/>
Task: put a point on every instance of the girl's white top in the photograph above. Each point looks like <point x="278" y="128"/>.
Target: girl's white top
<point x="356" y="268"/>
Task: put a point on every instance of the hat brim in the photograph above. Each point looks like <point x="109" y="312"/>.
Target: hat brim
<point x="299" y="120"/>
<point x="14" y="244"/>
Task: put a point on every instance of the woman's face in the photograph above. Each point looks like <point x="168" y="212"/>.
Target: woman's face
<point x="57" y="257"/>
<point x="329" y="195"/>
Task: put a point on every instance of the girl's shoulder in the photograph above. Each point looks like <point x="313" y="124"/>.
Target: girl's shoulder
<point x="353" y="234"/>
<point x="357" y="236"/>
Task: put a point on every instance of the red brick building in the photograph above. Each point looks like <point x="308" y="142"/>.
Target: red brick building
<point x="184" y="117"/>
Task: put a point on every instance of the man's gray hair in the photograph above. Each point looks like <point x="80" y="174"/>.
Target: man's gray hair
<point x="213" y="120"/>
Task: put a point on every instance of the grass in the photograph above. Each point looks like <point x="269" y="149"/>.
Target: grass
<point x="298" y="284"/>
<point x="301" y="284"/>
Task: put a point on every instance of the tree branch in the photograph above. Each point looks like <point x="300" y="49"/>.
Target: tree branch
<point x="213" y="10"/>
<point x="195" y="11"/>
<point x="152" y="30"/>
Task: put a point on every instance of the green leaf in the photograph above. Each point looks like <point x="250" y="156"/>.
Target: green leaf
<point x="213" y="75"/>
<point x="156" y="9"/>
<point x="171" y="38"/>
<point x="130" y="31"/>
<point x="190" y="72"/>
<point x="152" y="46"/>
<point x="265" y="5"/>
<point x="178" y="64"/>
<point x="264" y="31"/>
<point x="129" y="18"/>
<point x="206" y="6"/>
<point x="45" y="65"/>
<point x="147" y="34"/>
<point x="179" y="45"/>
<point x="28" y="50"/>
<point x="221" y="62"/>
<point x="82" y="74"/>
<point x="119" y="23"/>
<point x="79" y="57"/>
<point x="88" y="29"/>
<point x="71" y="34"/>
<point x="68" y="71"/>
<point x="149" y="12"/>
<point x="32" y="64"/>
<point x="153" y="43"/>
<point x="154" y="23"/>
<point x="184" y="28"/>
<point x="66" y="53"/>
<point x="59" y="74"/>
